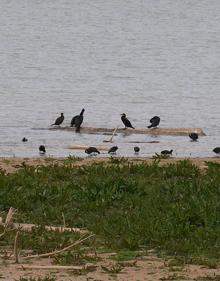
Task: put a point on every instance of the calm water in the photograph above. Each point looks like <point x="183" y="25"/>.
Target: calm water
<point x="142" y="57"/>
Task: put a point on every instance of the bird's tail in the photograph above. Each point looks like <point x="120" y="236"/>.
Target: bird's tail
<point x="150" y="126"/>
<point x="132" y="127"/>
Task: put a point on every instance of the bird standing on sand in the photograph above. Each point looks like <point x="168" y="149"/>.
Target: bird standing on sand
<point x="136" y="149"/>
<point x="126" y="122"/>
<point x="155" y="121"/>
<point x="59" y="120"/>
<point x="167" y="152"/>
<point x="216" y="150"/>
<point x="91" y="150"/>
<point x="194" y="136"/>
<point x="113" y="150"/>
<point x="77" y="121"/>
<point x="42" y="149"/>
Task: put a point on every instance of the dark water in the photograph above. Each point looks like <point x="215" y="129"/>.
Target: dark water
<point x="141" y="57"/>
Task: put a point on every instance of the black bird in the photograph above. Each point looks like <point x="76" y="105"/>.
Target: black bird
<point x="59" y="120"/>
<point x="136" y="149"/>
<point x="77" y="121"/>
<point x="154" y="122"/>
<point x="42" y="149"/>
<point x="24" y="139"/>
<point x="91" y="150"/>
<point x="126" y="122"/>
<point x="113" y="150"/>
<point x="216" y="150"/>
<point x="194" y="136"/>
<point x="167" y="152"/>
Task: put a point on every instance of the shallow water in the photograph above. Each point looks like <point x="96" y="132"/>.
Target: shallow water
<point x="141" y="57"/>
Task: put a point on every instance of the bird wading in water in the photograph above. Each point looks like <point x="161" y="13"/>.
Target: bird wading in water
<point x="136" y="149"/>
<point x="42" y="149"/>
<point x="216" y="150"/>
<point x="167" y="152"/>
<point x="92" y="150"/>
<point x="194" y="136"/>
<point x="113" y="150"/>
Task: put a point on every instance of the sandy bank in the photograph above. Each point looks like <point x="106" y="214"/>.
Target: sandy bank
<point x="12" y="164"/>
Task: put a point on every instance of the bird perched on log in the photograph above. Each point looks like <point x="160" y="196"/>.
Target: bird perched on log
<point x="216" y="150"/>
<point x="126" y="122"/>
<point x="136" y="149"/>
<point x="194" y="136"/>
<point x="155" y="121"/>
<point x="24" y="139"/>
<point x="59" y="120"/>
<point x="92" y="150"/>
<point x="77" y="121"/>
<point x="42" y="149"/>
<point x="167" y="152"/>
<point x="113" y="150"/>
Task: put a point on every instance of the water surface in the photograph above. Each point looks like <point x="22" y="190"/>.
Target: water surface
<point x="141" y="57"/>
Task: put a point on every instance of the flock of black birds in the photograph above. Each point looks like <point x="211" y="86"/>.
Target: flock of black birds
<point x="78" y="120"/>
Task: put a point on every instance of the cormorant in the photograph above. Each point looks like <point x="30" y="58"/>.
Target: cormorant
<point x="126" y="122"/>
<point x="154" y="122"/>
<point x="24" y="139"/>
<point x="136" y="149"/>
<point x="91" y="149"/>
<point x="216" y="150"/>
<point x="77" y="121"/>
<point x="59" y="120"/>
<point x="42" y="149"/>
<point x="167" y="152"/>
<point x="194" y="136"/>
<point x="113" y="150"/>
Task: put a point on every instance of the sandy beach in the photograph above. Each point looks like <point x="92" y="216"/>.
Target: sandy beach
<point x="13" y="164"/>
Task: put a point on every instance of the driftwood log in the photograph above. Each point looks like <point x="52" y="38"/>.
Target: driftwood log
<point x="157" y="131"/>
<point x="55" y="267"/>
<point x="29" y="227"/>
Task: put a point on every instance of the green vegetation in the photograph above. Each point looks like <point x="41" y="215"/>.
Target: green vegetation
<point x="173" y="209"/>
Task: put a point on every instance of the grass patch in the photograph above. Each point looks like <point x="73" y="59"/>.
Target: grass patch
<point x="126" y="255"/>
<point x="173" y="209"/>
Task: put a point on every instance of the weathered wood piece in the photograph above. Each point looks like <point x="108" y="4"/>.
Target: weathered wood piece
<point x="153" y="131"/>
<point x="29" y="227"/>
<point x="55" y="267"/>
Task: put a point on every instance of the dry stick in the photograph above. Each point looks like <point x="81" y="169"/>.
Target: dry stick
<point x="8" y="219"/>
<point x="16" y="247"/>
<point x="114" y="132"/>
<point x="60" y="251"/>
<point x="10" y="215"/>
<point x="56" y="267"/>
<point x="64" y="221"/>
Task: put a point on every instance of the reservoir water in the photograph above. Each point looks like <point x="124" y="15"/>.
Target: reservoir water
<point x="142" y="57"/>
